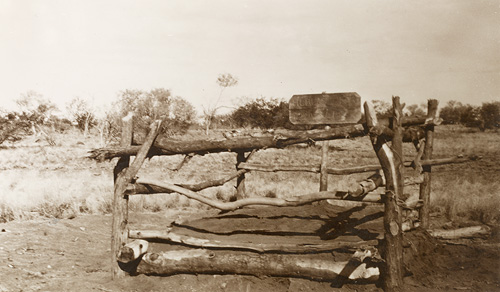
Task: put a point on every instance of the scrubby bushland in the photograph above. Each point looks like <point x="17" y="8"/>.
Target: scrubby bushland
<point x="262" y="113"/>
<point x="274" y="113"/>
<point x="12" y="128"/>
<point x="35" y="116"/>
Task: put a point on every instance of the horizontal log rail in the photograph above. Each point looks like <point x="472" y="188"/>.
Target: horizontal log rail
<point x="169" y="235"/>
<point x="277" y="139"/>
<point x="466" y="232"/>
<point x="352" y="170"/>
<point x="200" y="261"/>
<point x="407" y="121"/>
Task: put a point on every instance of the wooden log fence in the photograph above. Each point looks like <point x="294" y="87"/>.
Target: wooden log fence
<point x="391" y="164"/>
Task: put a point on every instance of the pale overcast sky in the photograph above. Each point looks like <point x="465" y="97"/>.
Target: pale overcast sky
<point x="447" y="49"/>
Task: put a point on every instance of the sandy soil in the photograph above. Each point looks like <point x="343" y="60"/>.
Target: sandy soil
<point x="73" y="255"/>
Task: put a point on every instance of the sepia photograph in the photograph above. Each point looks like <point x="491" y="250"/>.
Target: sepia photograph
<point x="249" y="145"/>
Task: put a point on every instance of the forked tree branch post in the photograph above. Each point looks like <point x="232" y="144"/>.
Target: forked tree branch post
<point x="120" y="202"/>
<point x="425" y="186"/>
<point x="392" y="165"/>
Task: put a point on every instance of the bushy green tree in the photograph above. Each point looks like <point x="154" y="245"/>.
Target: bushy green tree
<point x="490" y="114"/>
<point x="176" y="113"/>
<point x="82" y="113"/>
<point x="470" y="116"/>
<point x="451" y="112"/>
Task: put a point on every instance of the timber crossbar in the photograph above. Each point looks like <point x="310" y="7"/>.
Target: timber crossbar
<point x="278" y="139"/>
<point x="388" y="174"/>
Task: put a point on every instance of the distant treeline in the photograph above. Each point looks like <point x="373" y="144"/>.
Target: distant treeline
<point x="486" y="116"/>
<point x="261" y="113"/>
<point x="36" y="115"/>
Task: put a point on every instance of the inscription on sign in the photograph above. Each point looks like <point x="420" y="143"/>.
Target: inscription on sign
<point x="325" y="108"/>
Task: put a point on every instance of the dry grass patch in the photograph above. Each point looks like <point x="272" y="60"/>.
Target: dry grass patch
<point x="462" y="198"/>
<point x="55" y="193"/>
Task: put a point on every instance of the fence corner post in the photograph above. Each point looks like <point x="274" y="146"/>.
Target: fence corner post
<point x="425" y="186"/>
<point x="120" y="201"/>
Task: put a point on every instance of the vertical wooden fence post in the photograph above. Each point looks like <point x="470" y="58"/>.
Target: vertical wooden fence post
<point x="240" y="180"/>
<point x="120" y="201"/>
<point x="392" y="211"/>
<point x="392" y="165"/>
<point x="323" y="179"/>
<point x="425" y="186"/>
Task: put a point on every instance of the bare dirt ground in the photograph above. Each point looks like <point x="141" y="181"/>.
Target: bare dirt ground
<point x="73" y="255"/>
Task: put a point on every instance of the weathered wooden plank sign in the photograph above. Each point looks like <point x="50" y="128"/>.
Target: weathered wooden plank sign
<point x="325" y="108"/>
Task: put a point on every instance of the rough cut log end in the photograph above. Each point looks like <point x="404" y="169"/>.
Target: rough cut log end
<point x="133" y="250"/>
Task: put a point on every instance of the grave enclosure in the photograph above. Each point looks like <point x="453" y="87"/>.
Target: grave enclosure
<point x="214" y="255"/>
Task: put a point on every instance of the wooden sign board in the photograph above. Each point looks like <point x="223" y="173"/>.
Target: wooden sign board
<point x="325" y="108"/>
